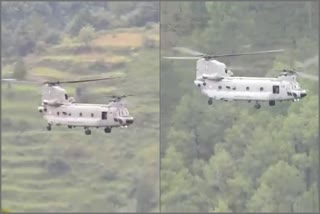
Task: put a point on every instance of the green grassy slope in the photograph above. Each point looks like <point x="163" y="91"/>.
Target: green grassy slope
<point x="65" y="170"/>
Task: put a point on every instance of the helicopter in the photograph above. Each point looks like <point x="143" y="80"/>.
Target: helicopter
<point x="57" y="108"/>
<point x="216" y="81"/>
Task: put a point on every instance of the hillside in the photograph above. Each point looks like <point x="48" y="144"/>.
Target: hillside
<point x="65" y="170"/>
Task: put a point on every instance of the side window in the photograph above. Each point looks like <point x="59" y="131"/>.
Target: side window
<point x="247" y="88"/>
<point x="275" y="89"/>
<point x="80" y="114"/>
<point x="104" y="115"/>
<point x="92" y="115"/>
<point x="261" y="88"/>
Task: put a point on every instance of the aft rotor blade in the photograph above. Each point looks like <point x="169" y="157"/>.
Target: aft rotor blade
<point x="85" y="80"/>
<point x="181" y="57"/>
<point x="308" y="76"/>
<point x="247" y="53"/>
<point x="188" y="51"/>
<point x="122" y="96"/>
<point x="238" y="68"/>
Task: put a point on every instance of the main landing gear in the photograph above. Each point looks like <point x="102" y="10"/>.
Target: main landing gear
<point x="210" y="101"/>
<point x="49" y="127"/>
<point x="87" y="131"/>
<point x="107" y="130"/>
<point x="257" y="105"/>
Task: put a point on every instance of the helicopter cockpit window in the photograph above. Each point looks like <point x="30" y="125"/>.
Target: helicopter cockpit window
<point x="66" y="96"/>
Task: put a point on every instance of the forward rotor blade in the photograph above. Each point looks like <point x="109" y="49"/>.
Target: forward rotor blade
<point x="311" y="61"/>
<point x="308" y="76"/>
<point x="9" y="80"/>
<point x="247" y="53"/>
<point x="188" y="51"/>
<point x="79" y="81"/>
<point x="181" y="57"/>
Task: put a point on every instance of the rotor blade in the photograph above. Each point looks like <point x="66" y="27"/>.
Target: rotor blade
<point x="9" y="80"/>
<point x="311" y="61"/>
<point x="79" y="81"/>
<point x="119" y="96"/>
<point x="188" y="51"/>
<point x="308" y="76"/>
<point x="181" y="57"/>
<point x="237" y="68"/>
<point x="247" y="53"/>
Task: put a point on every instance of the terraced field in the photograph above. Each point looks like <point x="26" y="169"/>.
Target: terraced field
<point x="65" y="170"/>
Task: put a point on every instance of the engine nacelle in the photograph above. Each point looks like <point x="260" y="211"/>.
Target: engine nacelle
<point x="51" y="102"/>
<point x="199" y="83"/>
<point x="41" y="109"/>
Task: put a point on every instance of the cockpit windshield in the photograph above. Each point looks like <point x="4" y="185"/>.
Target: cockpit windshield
<point x="123" y="112"/>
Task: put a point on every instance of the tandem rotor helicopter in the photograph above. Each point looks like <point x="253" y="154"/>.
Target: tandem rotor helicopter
<point x="216" y="81"/>
<point x="59" y="109"/>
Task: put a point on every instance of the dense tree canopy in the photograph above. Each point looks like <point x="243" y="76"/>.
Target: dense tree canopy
<point x="229" y="156"/>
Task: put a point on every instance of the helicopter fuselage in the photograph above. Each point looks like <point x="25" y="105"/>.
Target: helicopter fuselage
<point x="215" y="81"/>
<point x="59" y="109"/>
<point x="86" y="115"/>
<point x="251" y="89"/>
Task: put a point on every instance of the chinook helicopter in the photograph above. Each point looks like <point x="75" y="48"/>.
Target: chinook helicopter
<point x="216" y="81"/>
<point x="57" y="108"/>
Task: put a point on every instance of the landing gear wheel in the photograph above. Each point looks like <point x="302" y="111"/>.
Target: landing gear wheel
<point x="210" y="101"/>
<point x="49" y="127"/>
<point x="87" y="132"/>
<point x="257" y="106"/>
<point x="272" y="103"/>
<point x="70" y="127"/>
<point x="107" y="130"/>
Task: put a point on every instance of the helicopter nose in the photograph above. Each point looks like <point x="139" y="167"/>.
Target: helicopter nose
<point x="303" y="94"/>
<point x="129" y="121"/>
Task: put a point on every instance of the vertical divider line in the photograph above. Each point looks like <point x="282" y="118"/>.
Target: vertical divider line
<point x="159" y="106"/>
<point x="317" y="5"/>
<point x="1" y="104"/>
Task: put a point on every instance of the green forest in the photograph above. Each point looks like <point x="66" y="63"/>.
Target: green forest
<point x="64" y="170"/>
<point x="230" y="156"/>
